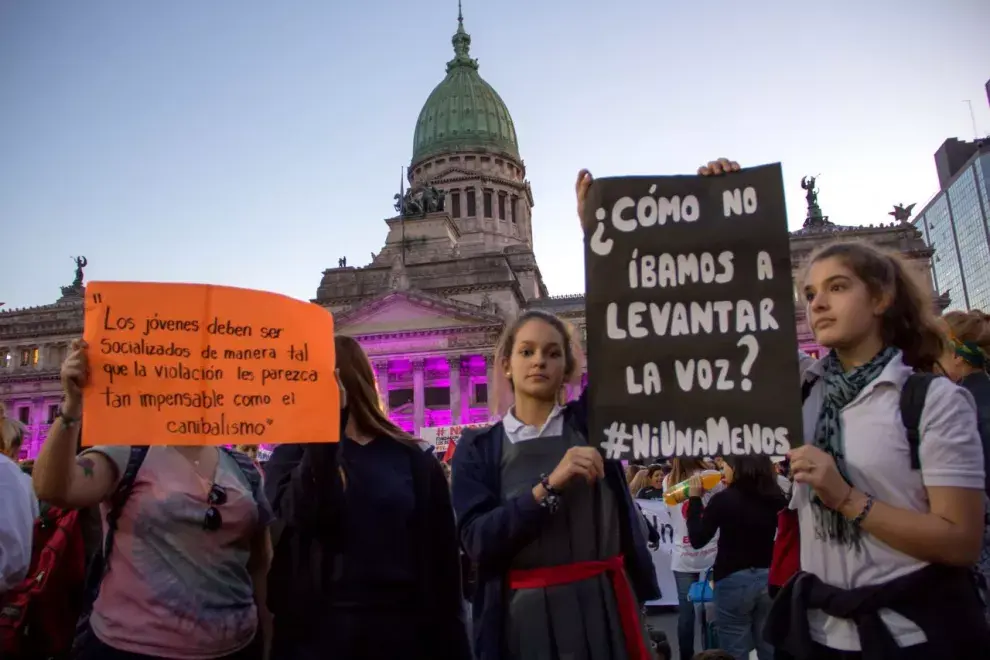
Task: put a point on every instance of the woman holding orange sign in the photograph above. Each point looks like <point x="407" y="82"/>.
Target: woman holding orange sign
<point x="187" y="528"/>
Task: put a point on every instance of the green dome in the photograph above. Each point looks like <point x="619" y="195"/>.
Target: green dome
<point x="463" y="113"/>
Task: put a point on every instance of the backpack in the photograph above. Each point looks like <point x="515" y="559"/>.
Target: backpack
<point x="787" y="547"/>
<point x="37" y="615"/>
<point x="100" y="563"/>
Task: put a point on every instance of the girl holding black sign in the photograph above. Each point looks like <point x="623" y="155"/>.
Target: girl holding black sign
<point x="562" y="559"/>
<point x="889" y="489"/>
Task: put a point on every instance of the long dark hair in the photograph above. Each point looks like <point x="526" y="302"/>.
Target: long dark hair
<point x="753" y="474"/>
<point x="501" y="396"/>
<point x="909" y="322"/>
<point x="358" y="380"/>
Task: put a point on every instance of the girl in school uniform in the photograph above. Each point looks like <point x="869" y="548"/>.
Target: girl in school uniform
<point x="562" y="559"/>
<point x="885" y="547"/>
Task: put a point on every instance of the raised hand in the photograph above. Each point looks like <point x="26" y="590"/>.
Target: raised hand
<point x="717" y="167"/>
<point x="74" y="375"/>
<point x="581" y="187"/>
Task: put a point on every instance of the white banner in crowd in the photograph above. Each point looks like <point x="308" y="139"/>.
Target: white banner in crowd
<point x="440" y="436"/>
<point x="659" y="515"/>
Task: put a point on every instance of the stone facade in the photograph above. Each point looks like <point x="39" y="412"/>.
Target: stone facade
<point x="430" y="305"/>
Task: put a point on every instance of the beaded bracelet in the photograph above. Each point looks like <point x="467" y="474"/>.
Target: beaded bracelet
<point x="858" y="520"/>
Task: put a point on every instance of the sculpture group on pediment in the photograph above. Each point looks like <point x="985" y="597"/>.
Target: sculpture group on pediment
<point x="420" y="200"/>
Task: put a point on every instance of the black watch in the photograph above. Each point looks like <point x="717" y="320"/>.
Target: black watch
<point x="550" y="501"/>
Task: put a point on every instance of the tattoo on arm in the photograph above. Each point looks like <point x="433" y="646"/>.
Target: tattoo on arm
<point x="87" y="466"/>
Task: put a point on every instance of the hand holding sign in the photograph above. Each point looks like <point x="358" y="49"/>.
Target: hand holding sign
<point x="189" y="364"/>
<point x="74" y="374"/>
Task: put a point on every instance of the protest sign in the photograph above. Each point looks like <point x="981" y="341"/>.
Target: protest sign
<point x="440" y="436"/>
<point x="196" y="364"/>
<point x="659" y="516"/>
<point x="692" y="340"/>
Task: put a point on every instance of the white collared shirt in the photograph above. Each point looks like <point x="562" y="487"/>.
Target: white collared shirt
<point x="877" y="458"/>
<point x="18" y="509"/>
<point x="519" y="432"/>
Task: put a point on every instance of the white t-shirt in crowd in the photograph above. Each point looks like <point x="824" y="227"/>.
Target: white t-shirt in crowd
<point x="878" y="462"/>
<point x="18" y="510"/>
<point x="685" y="558"/>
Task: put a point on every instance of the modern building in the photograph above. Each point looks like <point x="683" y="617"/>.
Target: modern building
<point x="429" y="306"/>
<point x="956" y="223"/>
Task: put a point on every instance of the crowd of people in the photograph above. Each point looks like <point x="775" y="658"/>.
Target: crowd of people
<point x="530" y="544"/>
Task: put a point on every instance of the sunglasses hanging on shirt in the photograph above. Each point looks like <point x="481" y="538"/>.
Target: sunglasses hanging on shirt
<point x="217" y="497"/>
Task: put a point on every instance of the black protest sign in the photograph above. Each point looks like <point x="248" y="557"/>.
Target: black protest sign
<point x="692" y="344"/>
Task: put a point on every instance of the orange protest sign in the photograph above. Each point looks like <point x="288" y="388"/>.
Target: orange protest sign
<point x="196" y="364"/>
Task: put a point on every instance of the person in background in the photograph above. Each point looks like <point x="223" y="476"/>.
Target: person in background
<point x="688" y="563"/>
<point x="886" y="543"/>
<point x="251" y="451"/>
<point x="965" y="360"/>
<point x="18" y="506"/>
<point x="654" y="484"/>
<point x="191" y="549"/>
<point x="11" y="439"/>
<point x="744" y="515"/>
<point x="639" y="483"/>
<point x="367" y="562"/>
<point x="18" y="510"/>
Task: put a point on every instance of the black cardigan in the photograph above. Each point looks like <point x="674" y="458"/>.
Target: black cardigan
<point x="941" y="600"/>
<point x="306" y="493"/>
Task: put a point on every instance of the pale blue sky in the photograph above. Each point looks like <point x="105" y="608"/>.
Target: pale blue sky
<point x="252" y="143"/>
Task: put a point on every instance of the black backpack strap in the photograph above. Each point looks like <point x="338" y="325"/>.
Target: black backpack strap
<point x="806" y="388"/>
<point x="120" y="497"/>
<point x="913" y="396"/>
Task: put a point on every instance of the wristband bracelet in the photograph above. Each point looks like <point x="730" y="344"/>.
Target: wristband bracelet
<point x="551" y="501"/>
<point x="66" y="420"/>
<point x="858" y="520"/>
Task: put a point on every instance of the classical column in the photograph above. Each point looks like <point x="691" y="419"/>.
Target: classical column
<point x="419" y="396"/>
<point x="381" y="375"/>
<point x="490" y="376"/>
<point x="465" y="385"/>
<point x="456" y="410"/>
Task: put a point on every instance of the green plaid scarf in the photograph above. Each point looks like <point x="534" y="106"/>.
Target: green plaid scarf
<point x="841" y="387"/>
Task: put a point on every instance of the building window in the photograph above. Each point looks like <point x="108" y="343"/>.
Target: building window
<point x="436" y="397"/>
<point x="515" y="208"/>
<point x="481" y="393"/>
<point x="35" y="355"/>
<point x="24" y="414"/>
<point x="8" y="359"/>
<point x="488" y="204"/>
<point x="399" y="398"/>
<point x="501" y="206"/>
<point x="455" y="204"/>
<point x="52" y="413"/>
<point x="25" y="357"/>
<point x="471" y="210"/>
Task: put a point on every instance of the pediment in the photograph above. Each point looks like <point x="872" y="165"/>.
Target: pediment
<point x="402" y="311"/>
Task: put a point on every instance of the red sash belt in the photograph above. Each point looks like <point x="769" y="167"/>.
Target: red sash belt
<point x="552" y="576"/>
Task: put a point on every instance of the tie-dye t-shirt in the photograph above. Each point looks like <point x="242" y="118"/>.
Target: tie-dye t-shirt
<point x="174" y="589"/>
